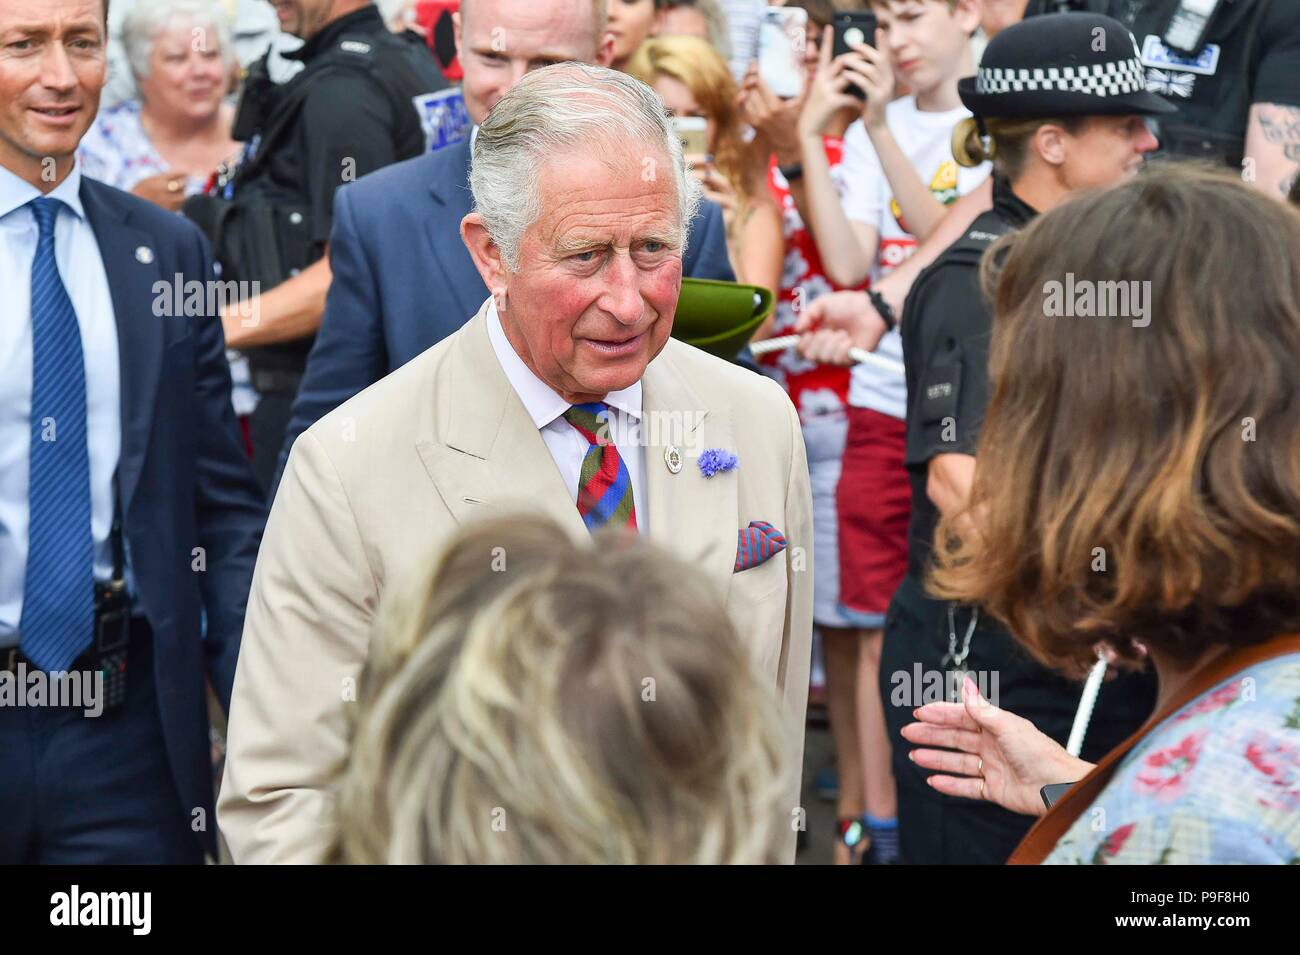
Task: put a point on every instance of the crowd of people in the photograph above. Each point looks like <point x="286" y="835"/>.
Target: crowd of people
<point x="341" y="401"/>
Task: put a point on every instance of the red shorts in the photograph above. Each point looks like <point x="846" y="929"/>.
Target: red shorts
<point x="874" y="501"/>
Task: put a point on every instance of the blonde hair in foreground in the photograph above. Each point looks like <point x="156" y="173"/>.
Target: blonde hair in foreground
<point x="531" y="700"/>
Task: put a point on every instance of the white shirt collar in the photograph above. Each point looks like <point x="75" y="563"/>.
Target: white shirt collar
<point x="540" y="400"/>
<point x="16" y="193"/>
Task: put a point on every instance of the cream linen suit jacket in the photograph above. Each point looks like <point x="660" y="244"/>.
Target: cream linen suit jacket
<point x="375" y="486"/>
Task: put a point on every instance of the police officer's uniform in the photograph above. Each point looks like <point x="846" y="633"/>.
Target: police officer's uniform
<point x="355" y="107"/>
<point x="1213" y="68"/>
<point x="946" y="327"/>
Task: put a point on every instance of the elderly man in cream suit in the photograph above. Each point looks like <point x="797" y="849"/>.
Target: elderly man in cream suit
<point x="581" y="208"/>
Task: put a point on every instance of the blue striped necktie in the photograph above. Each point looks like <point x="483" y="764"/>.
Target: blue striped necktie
<point x="58" y="596"/>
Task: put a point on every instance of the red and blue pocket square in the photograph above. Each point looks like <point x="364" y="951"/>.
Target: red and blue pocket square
<point x="758" y="543"/>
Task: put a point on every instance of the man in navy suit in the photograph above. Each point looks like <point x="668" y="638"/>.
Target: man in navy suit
<point x="402" y="278"/>
<point x="129" y="515"/>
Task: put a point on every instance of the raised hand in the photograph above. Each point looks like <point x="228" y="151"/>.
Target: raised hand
<point x="983" y="752"/>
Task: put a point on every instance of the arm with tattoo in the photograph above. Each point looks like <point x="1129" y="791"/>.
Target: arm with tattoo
<point x="1273" y="147"/>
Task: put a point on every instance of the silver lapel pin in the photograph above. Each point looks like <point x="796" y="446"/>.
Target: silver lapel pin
<point x="144" y="254"/>
<point x="673" y="458"/>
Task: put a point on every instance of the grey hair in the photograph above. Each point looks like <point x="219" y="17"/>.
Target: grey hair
<point x="560" y="108"/>
<point x="147" y="18"/>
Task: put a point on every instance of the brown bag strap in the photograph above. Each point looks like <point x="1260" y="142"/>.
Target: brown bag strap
<point x="1042" y="838"/>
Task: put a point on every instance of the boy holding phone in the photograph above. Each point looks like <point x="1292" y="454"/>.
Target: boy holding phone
<point x="898" y="175"/>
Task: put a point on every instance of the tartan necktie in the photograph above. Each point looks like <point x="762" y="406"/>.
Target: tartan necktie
<point x="604" y="486"/>
<point x="58" y="594"/>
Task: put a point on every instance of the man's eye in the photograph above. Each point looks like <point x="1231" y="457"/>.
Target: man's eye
<point x="586" y="256"/>
<point x="653" y="247"/>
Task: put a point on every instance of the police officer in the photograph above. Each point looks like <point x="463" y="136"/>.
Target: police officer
<point x="1056" y="113"/>
<point x="356" y="105"/>
<point x="1232" y="67"/>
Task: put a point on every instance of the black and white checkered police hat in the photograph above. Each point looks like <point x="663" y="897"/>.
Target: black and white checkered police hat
<point x="1061" y="64"/>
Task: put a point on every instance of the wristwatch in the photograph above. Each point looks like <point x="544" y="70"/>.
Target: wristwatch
<point x="792" y="172"/>
<point x="883" y="309"/>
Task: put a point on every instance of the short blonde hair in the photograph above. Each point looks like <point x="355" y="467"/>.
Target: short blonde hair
<point x="534" y="701"/>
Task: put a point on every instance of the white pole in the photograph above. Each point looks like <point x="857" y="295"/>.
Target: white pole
<point x="857" y="354"/>
<point x="1086" y="702"/>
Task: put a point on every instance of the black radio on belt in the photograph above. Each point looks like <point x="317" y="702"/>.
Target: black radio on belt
<point x="113" y="624"/>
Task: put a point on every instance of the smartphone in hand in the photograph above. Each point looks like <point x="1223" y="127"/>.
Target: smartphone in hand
<point x="853" y="26"/>
<point x="781" y="45"/>
<point x="693" y="131"/>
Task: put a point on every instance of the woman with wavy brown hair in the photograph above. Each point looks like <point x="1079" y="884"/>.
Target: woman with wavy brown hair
<point x="530" y="700"/>
<point x="1138" y="488"/>
<point x="1047" y="146"/>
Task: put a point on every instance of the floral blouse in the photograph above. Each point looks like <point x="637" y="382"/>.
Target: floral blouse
<point x="1218" y="782"/>
<point x="116" y="150"/>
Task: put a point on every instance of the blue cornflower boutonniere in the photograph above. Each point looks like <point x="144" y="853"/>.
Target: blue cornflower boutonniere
<point x="714" y="460"/>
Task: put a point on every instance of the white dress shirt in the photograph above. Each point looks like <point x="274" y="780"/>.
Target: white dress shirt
<point x="565" y="442"/>
<point x="82" y="269"/>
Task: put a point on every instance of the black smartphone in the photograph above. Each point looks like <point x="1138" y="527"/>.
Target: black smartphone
<point x="853" y="26"/>
<point x="1053" y="791"/>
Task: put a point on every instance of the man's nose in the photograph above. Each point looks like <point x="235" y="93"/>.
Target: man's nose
<point x="622" y="297"/>
<point x="56" y="69"/>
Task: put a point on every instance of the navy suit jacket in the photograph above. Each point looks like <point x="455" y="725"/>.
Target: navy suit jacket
<point x="184" y="479"/>
<point x="404" y="281"/>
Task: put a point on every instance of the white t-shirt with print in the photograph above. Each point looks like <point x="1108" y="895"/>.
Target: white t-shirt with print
<point x="926" y="140"/>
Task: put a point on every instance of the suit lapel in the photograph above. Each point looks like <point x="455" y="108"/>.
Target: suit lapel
<point x="692" y="516"/>
<point x="139" y="334"/>
<point x="493" y="461"/>
<point x="452" y="194"/>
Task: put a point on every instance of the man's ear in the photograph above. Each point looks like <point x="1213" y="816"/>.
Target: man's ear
<point x="484" y="252"/>
<point x="1049" y="142"/>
